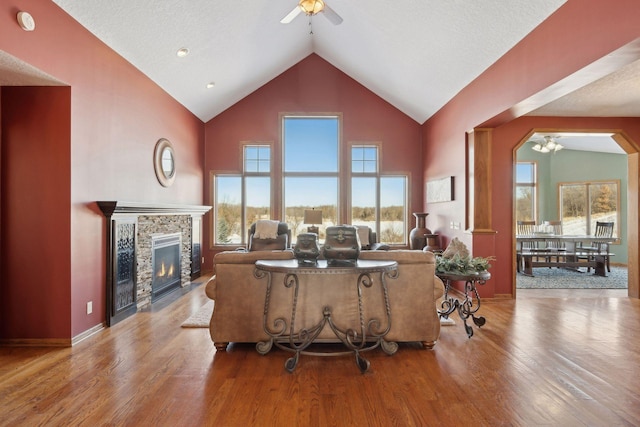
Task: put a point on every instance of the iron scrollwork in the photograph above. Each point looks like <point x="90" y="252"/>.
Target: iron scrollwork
<point x="470" y="304"/>
<point x="370" y="335"/>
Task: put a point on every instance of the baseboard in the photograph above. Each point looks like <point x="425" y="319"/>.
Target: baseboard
<point x="36" y="342"/>
<point x="500" y="296"/>
<point x="50" y="342"/>
<point x="86" y="334"/>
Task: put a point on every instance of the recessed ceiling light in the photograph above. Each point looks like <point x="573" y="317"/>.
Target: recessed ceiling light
<point x="182" y="52"/>
<point x="210" y="85"/>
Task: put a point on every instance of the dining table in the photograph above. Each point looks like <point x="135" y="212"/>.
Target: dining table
<point x="562" y="251"/>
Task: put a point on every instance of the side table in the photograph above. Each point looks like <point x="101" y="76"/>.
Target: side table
<point x="465" y="307"/>
<point x="287" y="335"/>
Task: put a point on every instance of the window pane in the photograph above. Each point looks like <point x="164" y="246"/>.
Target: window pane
<point x="574" y="208"/>
<point x="604" y="200"/>
<point x="364" y="159"/>
<point x="257" y="158"/>
<point x="307" y="193"/>
<point x="525" y="173"/>
<point x="258" y="199"/>
<point x="311" y="144"/>
<point x="363" y="202"/>
<point x="525" y="196"/>
<point x="525" y="204"/>
<point x="393" y="210"/>
<point x="228" y="202"/>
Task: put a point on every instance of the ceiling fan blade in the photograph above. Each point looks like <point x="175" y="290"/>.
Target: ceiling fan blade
<point x="295" y="12"/>
<point x="331" y="15"/>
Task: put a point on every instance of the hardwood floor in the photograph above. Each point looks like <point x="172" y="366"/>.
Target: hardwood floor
<point x="537" y="361"/>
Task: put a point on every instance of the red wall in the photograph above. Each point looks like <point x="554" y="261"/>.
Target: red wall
<point x="313" y="86"/>
<point x="577" y="34"/>
<point x="35" y="211"/>
<point x="115" y="116"/>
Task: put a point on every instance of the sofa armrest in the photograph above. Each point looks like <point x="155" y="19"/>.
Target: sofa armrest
<point x="210" y="288"/>
<point x="438" y="288"/>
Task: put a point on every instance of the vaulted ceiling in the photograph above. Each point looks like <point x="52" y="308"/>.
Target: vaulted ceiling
<point x="415" y="54"/>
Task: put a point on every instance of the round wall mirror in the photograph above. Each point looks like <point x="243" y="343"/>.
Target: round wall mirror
<point x="164" y="162"/>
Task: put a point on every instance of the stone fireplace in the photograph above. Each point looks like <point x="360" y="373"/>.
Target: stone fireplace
<point x="151" y="251"/>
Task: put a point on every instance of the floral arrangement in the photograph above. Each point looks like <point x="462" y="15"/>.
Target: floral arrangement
<point x="462" y="265"/>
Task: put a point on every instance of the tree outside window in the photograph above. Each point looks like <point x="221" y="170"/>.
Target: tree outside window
<point x="526" y="191"/>
<point x="377" y="201"/>
<point x="582" y="204"/>
<point x="242" y="199"/>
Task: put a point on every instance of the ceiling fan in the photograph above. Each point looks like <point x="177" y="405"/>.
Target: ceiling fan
<point x="311" y="8"/>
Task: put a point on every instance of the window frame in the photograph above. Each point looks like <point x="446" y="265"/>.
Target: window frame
<point x="378" y="176"/>
<point x="243" y="175"/>
<point x="295" y="174"/>
<point x="587" y="184"/>
<point x="534" y="187"/>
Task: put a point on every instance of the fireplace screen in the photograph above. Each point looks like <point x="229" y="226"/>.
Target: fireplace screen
<point x="165" y="261"/>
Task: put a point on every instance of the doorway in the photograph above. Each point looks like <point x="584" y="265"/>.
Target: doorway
<point x="548" y="162"/>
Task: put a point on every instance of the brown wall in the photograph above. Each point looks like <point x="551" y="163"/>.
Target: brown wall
<point x="36" y="175"/>
<point x="313" y="86"/>
<point x="116" y="116"/>
<point x="576" y="35"/>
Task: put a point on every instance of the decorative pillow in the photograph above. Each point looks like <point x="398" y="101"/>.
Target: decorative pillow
<point x="363" y="235"/>
<point x="266" y="229"/>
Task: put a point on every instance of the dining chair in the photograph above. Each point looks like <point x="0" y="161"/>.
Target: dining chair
<point x="524" y="228"/>
<point x="603" y="229"/>
<point x="554" y="246"/>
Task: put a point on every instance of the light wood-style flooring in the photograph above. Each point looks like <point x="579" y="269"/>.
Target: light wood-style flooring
<point x="538" y="361"/>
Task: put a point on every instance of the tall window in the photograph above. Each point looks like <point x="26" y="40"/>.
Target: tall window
<point x="310" y="163"/>
<point x="242" y="199"/>
<point x="582" y="204"/>
<point x="377" y="201"/>
<point x="526" y="188"/>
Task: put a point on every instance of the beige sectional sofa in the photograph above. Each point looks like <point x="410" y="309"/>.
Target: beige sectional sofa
<point x="239" y="297"/>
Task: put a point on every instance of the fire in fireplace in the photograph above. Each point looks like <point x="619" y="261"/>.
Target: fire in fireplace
<point x="165" y="263"/>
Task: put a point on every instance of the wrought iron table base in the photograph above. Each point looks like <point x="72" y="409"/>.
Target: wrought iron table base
<point x="298" y="343"/>
<point x="370" y="336"/>
<point x="465" y="307"/>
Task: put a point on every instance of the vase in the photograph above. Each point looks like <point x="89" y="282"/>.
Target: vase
<point x="417" y="238"/>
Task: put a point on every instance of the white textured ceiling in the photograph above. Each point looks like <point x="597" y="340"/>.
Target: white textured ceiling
<point x="415" y="54"/>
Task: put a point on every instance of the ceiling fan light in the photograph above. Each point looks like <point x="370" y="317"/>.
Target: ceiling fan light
<point x="558" y="147"/>
<point x="311" y="7"/>
<point x="537" y="147"/>
<point x="544" y="149"/>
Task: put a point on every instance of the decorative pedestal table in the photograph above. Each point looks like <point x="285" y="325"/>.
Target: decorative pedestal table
<point x="465" y="307"/>
<point x="296" y="338"/>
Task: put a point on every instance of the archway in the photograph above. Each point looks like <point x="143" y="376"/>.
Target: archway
<point x="631" y="234"/>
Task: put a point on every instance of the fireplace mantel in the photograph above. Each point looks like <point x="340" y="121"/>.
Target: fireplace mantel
<point x="110" y="208"/>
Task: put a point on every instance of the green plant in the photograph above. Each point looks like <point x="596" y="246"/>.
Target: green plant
<point x="458" y="264"/>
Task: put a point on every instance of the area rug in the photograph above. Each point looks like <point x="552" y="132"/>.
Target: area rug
<point x="559" y="278"/>
<point x="201" y="318"/>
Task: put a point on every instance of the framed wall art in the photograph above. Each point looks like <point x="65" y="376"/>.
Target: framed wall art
<point x="440" y="190"/>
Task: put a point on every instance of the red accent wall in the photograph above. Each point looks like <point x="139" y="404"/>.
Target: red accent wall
<point x="576" y="35"/>
<point x="114" y="116"/>
<point x="36" y="198"/>
<point x="313" y="86"/>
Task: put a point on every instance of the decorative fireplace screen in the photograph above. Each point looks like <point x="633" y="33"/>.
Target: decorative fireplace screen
<point x="166" y="264"/>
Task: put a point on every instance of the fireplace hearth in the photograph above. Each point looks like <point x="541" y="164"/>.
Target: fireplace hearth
<point x="165" y="264"/>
